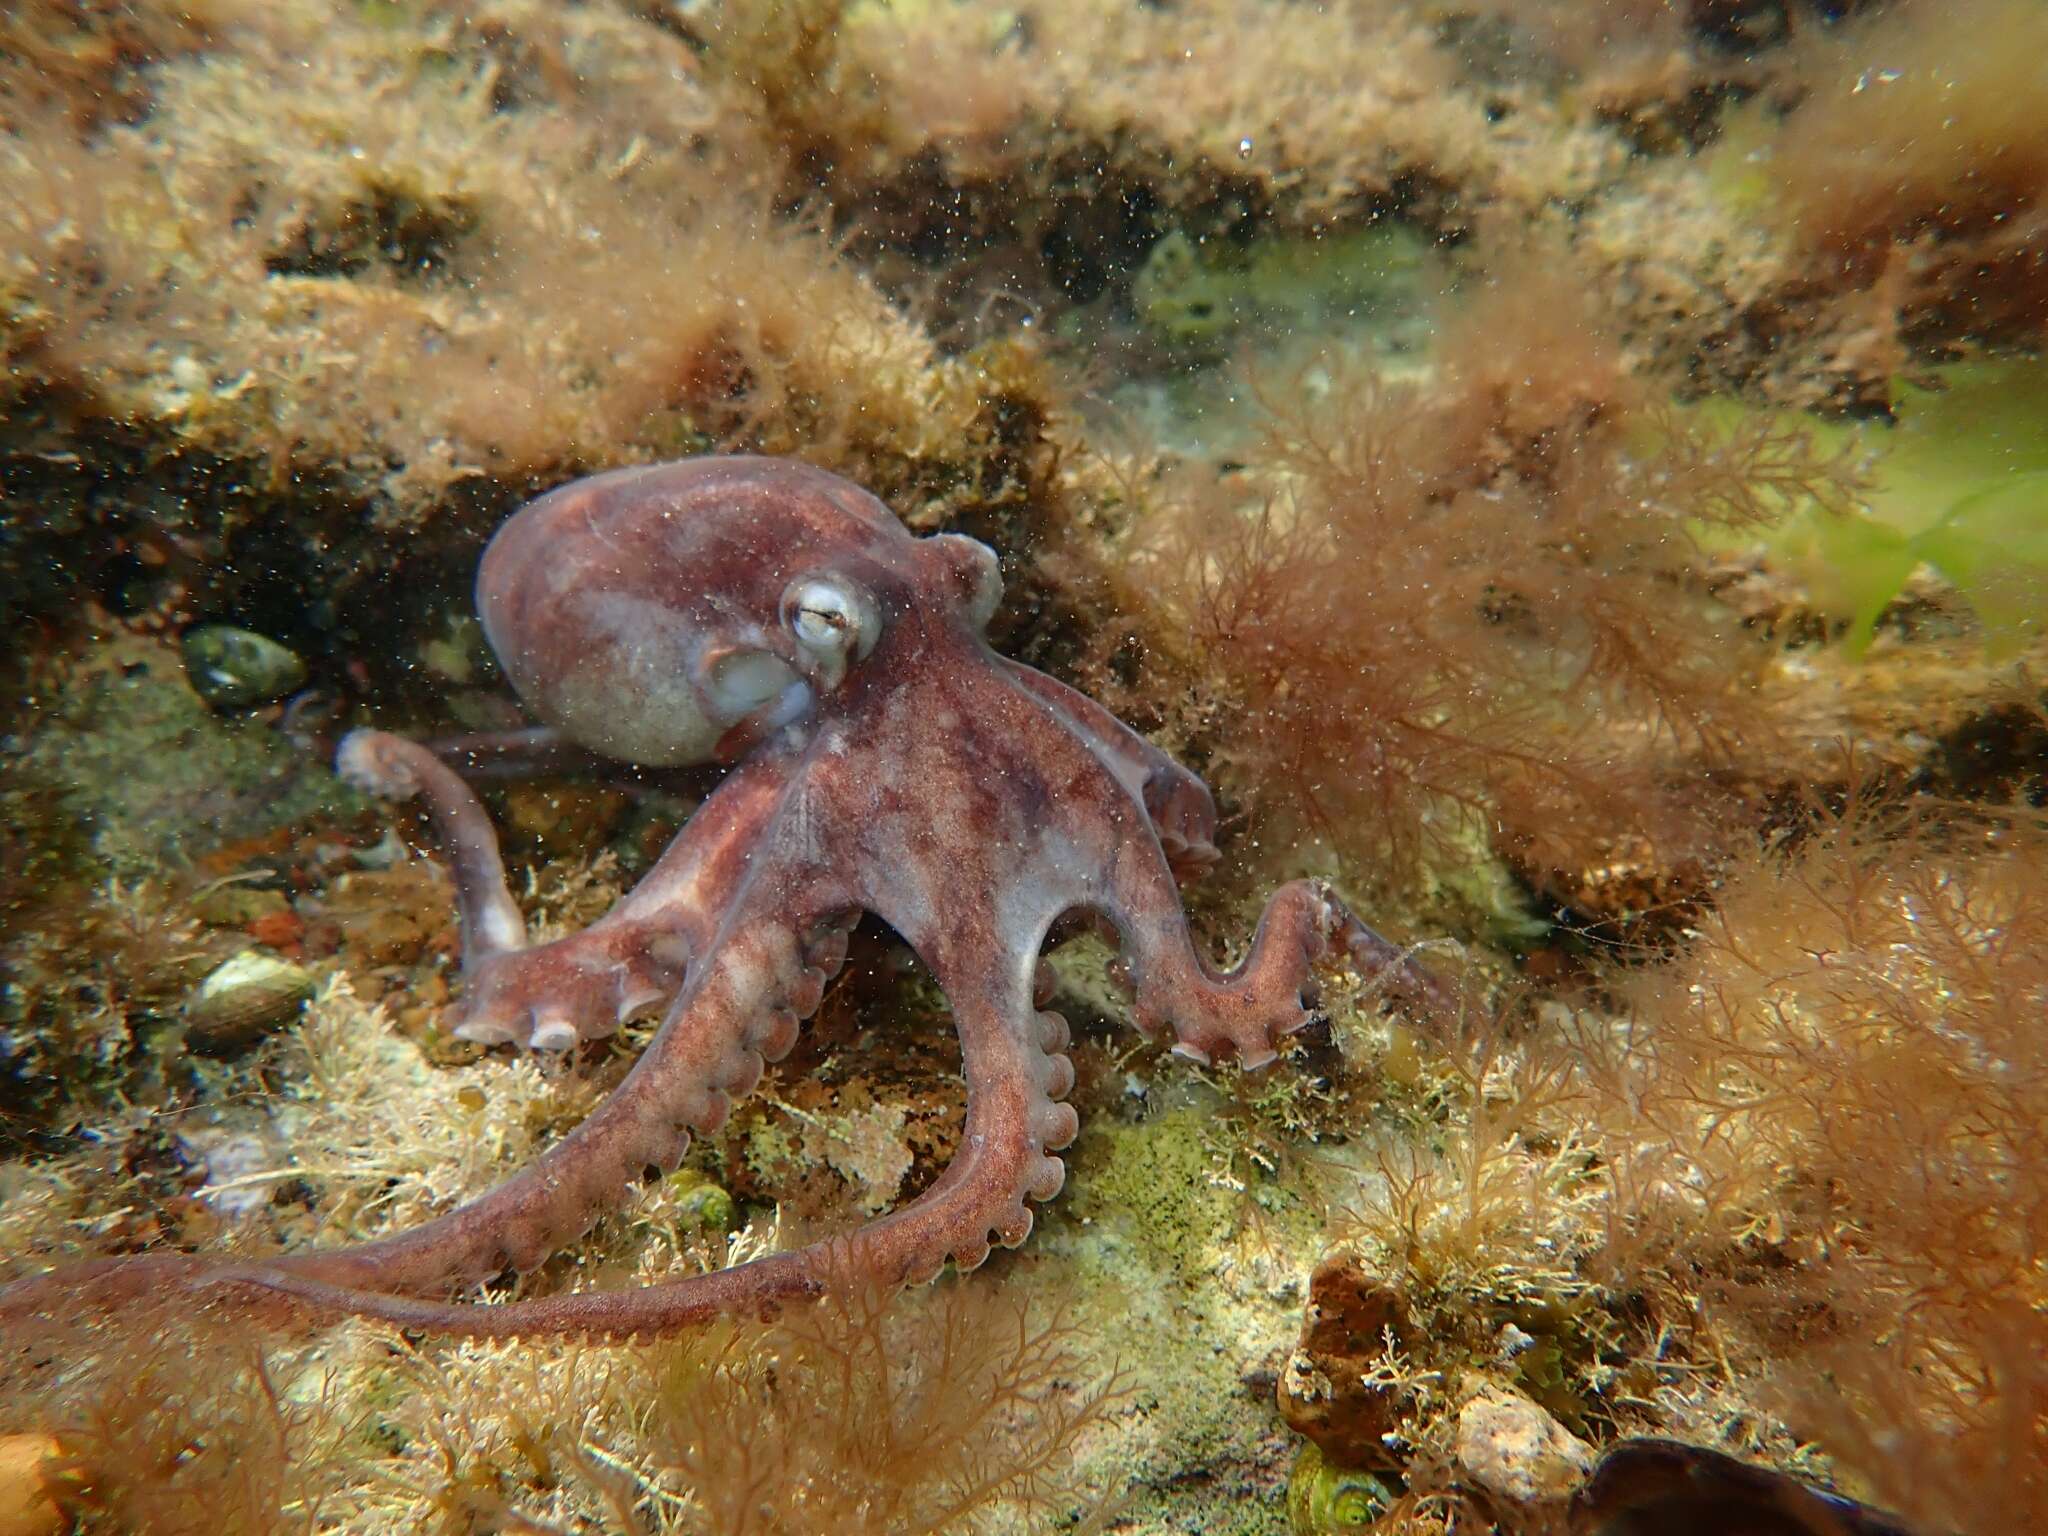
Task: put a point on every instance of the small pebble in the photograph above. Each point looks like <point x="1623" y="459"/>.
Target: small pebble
<point x="1514" y="1451"/>
<point x="230" y="1159"/>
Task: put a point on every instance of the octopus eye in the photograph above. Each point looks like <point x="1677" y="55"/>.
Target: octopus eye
<point x="822" y="616"/>
<point x="831" y="618"/>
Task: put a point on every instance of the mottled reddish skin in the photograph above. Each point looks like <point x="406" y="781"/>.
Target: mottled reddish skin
<point x="966" y="800"/>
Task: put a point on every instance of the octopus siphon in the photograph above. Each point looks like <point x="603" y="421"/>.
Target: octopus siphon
<point x="883" y="759"/>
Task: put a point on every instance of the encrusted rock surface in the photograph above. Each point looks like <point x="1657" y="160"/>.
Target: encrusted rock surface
<point x="1330" y="1390"/>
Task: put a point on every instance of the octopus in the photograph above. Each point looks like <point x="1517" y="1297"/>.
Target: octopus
<point x="882" y="759"/>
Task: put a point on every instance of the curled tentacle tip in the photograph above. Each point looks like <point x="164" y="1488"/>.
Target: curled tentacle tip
<point x="1193" y="1052"/>
<point x="365" y="760"/>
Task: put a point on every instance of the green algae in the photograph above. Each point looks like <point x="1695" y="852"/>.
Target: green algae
<point x="1961" y="482"/>
<point x="1149" y="1181"/>
<point x="1956" y="480"/>
<point x="1471" y="878"/>
<point x="1149" y="1241"/>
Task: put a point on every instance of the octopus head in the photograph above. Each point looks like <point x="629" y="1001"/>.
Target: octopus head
<point x="681" y="612"/>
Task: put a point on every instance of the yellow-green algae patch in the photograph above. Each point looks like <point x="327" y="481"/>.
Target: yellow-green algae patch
<point x="1957" y="480"/>
<point x="1198" y="1303"/>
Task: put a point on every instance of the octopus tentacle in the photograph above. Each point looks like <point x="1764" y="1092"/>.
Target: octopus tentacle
<point x="1013" y="1054"/>
<point x="739" y="1012"/>
<point x="1181" y="809"/>
<point x="581" y="987"/>
<point x="379" y="763"/>
<point x="1387" y="964"/>
<point x="537" y="751"/>
<point x="1018" y="1075"/>
<point x="541" y="752"/>
<point x="1248" y="1010"/>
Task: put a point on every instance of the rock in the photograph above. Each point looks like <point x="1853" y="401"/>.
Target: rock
<point x="1663" y="1485"/>
<point x="233" y="668"/>
<point x="31" y="1467"/>
<point x="1328" y="1389"/>
<point x="242" y="999"/>
<point x="237" y="906"/>
<point x="152" y="774"/>
<point x="1516" y="1454"/>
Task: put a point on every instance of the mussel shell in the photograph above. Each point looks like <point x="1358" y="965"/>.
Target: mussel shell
<point x="242" y="999"/>
<point x="232" y="668"/>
